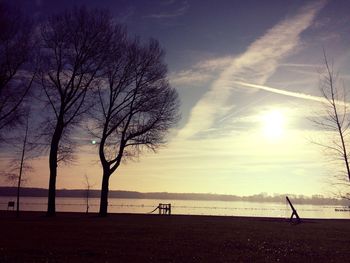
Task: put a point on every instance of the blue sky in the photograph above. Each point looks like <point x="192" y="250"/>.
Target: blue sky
<point x="239" y="67"/>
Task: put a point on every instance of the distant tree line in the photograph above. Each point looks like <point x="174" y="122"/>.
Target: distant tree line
<point x="80" y="67"/>
<point x="277" y="198"/>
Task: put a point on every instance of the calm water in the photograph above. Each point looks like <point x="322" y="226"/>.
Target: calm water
<point x="187" y="207"/>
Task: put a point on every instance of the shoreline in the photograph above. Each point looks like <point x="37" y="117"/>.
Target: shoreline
<point x="33" y="213"/>
<point x="221" y="208"/>
<point x="25" y="214"/>
<point x="8" y="191"/>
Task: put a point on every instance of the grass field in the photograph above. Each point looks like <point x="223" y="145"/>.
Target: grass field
<point x="75" y="237"/>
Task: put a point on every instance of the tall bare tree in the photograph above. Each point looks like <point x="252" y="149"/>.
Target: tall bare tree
<point x="17" y="70"/>
<point x="75" y="46"/>
<point x="24" y="146"/>
<point x="24" y="151"/>
<point x="137" y="106"/>
<point x="335" y="119"/>
<point x="88" y="186"/>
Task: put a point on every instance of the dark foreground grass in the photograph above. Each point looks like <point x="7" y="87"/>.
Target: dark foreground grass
<point x="73" y="237"/>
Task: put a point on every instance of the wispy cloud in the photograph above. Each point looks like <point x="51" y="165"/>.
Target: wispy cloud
<point x="126" y="14"/>
<point x="206" y="70"/>
<point x="190" y="77"/>
<point x="200" y="73"/>
<point x="256" y="65"/>
<point x="167" y="2"/>
<point x="179" y="11"/>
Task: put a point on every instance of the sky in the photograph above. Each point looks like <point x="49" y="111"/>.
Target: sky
<point x="248" y="76"/>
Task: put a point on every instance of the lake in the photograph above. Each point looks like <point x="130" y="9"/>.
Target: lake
<point x="183" y="207"/>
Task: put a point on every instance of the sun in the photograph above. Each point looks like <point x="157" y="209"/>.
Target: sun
<point x="273" y="124"/>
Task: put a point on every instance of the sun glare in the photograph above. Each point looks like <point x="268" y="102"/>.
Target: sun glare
<point x="273" y="124"/>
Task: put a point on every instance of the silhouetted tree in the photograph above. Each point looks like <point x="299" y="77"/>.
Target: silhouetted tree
<point x="137" y="106"/>
<point x="88" y="186"/>
<point x="335" y="119"/>
<point x="17" y="69"/>
<point x="24" y="150"/>
<point x="75" y="46"/>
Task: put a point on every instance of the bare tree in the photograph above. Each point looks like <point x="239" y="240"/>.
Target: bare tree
<point x="17" y="70"/>
<point x="75" y="46"/>
<point x="137" y="107"/>
<point x="335" y="120"/>
<point x="20" y="165"/>
<point x="88" y="186"/>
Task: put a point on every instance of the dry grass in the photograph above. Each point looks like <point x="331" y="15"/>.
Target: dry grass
<point x="73" y="237"/>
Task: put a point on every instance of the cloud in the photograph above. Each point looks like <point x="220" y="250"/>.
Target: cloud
<point x="171" y="14"/>
<point x="167" y="2"/>
<point x="214" y="63"/>
<point x="190" y="77"/>
<point x="125" y="14"/>
<point x="256" y="65"/>
<point x="200" y="73"/>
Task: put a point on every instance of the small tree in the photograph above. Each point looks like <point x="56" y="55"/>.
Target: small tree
<point x="335" y="119"/>
<point x="137" y="106"/>
<point x="19" y="166"/>
<point x="75" y="46"/>
<point x="17" y="70"/>
<point x="88" y="186"/>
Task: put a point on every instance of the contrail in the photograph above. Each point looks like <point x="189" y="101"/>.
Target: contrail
<point x="283" y="92"/>
<point x="289" y="93"/>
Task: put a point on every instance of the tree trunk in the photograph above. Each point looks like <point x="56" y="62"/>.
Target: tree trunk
<point x="51" y="204"/>
<point x="87" y="201"/>
<point x="21" y="165"/>
<point x="104" y="194"/>
<point x="21" y="170"/>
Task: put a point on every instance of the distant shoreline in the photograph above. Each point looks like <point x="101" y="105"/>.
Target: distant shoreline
<point x="81" y="193"/>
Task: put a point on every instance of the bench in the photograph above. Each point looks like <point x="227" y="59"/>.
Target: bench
<point x="11" y="204"/>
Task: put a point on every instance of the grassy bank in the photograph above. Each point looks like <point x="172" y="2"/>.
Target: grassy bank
<point x="74" y="237"/>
